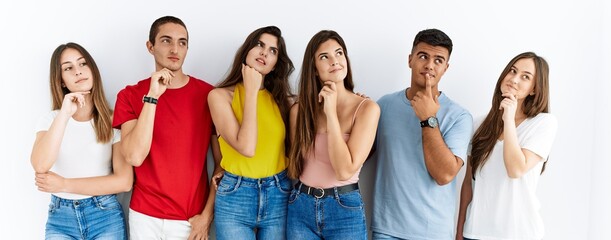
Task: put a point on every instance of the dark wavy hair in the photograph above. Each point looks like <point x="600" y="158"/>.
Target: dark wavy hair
<point x="276" y="81"/>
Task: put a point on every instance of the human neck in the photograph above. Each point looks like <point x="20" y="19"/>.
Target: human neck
<point x="520" y="116"/>
<point x="84" y="113"/>
<point x="410" y="92"/>
<point x="180" y="80"/>
<point x="342" y="93"/>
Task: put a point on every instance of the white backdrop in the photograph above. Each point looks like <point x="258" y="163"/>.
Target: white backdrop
<point x="572" y="36"/>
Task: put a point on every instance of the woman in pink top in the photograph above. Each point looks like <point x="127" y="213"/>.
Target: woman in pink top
<point x="332" y="131"/>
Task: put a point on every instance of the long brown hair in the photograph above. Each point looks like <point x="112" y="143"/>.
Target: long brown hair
<point x="309" y="108"/>
<point x="486" y="135"/>
<point x="101" y="111"/>
<point x="276" y="81"/>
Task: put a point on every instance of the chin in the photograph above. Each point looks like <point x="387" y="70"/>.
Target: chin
<point x="260" y="69"/>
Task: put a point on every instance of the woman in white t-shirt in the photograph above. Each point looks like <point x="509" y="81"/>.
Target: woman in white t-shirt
<point x="508" y="153"/>
<point x="75" y="154"/>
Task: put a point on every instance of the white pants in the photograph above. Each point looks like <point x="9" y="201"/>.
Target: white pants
<point x="144" y="227"/>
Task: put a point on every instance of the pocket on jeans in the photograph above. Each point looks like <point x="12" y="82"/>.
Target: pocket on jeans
<point x="227" y="185"/>
<point x="351" y="200"/>
<point x="293" y="196"/>
<point x="108" y="202"/>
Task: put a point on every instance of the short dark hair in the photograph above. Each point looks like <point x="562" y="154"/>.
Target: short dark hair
<point x="163" y="20"/>
<point x="434" y="37"/>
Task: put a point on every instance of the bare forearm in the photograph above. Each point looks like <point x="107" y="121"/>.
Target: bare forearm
<point x="339" y="153"/>
<point x="46" y="148"/>
<point x="209" y="208"/>
<point x="136" y="142"/>
<point x="95" y="186"/>
<point x="515" y="161"/>
<point x="441" y="163"/>
<point x="208" y="212"/>
<point x="466" y="195"/>
<point x="247" y="134"/>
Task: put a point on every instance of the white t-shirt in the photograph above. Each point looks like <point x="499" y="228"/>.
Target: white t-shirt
<point x="80" y="155"/>
<point x="505" y="208"/>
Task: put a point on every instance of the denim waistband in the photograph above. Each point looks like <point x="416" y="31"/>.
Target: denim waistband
<point x="325" y="192"/>
<point x="95" y="200"/>
<point x="271" y="180"/>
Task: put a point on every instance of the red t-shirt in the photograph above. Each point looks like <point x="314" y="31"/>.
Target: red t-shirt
<point x="172" y="182"/>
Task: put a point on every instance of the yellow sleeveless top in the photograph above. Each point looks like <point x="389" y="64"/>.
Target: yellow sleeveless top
<point x="269" y="158"/>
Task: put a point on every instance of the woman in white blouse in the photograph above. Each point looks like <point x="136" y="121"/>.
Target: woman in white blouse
<point x="75" y="154"/>
<point x="508" y="153"/>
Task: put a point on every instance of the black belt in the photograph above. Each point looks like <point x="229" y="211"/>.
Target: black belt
<point x="319" y="192"/>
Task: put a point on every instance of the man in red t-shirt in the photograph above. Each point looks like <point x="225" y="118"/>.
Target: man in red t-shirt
<point x="165" y="132"/>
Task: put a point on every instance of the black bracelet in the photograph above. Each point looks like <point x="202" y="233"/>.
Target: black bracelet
<point x="149" y="99"/>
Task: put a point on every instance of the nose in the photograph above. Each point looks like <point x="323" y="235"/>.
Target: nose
<point x="514" y="80"/>
<point x="174" y="48"/>
<point x="430" y="64"/>
<point x="333" y="61"/>
<point x="263" y="53"/>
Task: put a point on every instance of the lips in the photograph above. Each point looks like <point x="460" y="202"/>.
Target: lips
<point x="81" y="80"/>
<point x="430" y="74"/>
<point x="174" y="58"/>
<point x="261" y="60"/>
<point x="511" y="87"/>
<point x="336" y="69"/>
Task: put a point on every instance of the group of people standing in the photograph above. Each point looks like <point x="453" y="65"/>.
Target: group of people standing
<point x="287" y="166"/>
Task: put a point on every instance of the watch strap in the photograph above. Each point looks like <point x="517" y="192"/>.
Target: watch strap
<point x="424" y="123"/>
<point x="149" y="99"/>
<point x="427" y="122"/>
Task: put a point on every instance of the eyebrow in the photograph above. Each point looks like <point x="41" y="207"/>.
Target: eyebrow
<point x="180" y="39"/>
<point x="264" y="44"/>
<point x="69" y="61"/>
<point x="323" y="53"/>
<point x="527" y="72"/>
<point x="437" y="56"/>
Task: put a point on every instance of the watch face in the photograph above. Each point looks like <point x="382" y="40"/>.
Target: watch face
<point x="433" y="122"/>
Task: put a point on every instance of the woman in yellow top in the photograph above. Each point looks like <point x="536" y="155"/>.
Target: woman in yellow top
<point x="250" y="112"/>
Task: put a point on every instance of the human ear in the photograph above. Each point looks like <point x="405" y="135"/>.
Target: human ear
<point x="149" y="46"/>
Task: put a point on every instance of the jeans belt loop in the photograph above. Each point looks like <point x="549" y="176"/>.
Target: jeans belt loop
<point x="56" y="201"/>
<point x="96" y="200"/>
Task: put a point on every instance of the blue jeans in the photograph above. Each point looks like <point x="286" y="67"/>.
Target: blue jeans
<point x="338" y="216"/>
<point x="99" y="217"/>
<point x="247" y="208"/>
